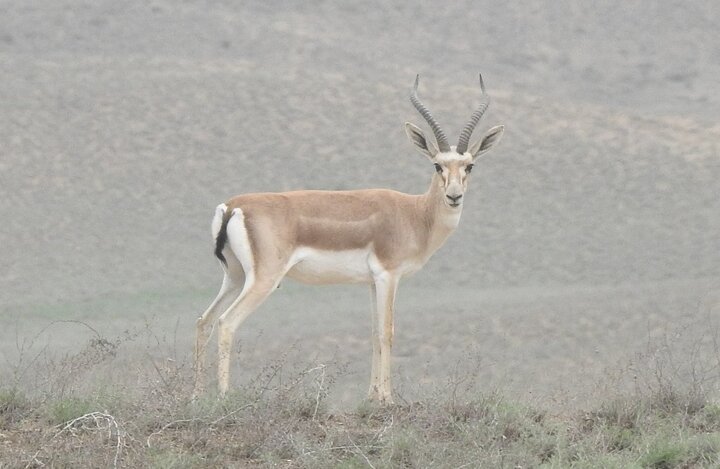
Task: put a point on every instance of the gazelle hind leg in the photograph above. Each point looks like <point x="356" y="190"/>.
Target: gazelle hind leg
<point x="250" y="299"/>
<point x="232" y="285"/>
<point x="233" y="282"/>
<point x="259" y="283"/>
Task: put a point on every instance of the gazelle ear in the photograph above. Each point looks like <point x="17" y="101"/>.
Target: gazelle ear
<point x="425" y="146"/>
<point x="487" y="142"/>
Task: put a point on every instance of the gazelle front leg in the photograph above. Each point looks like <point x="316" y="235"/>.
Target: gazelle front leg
<point x="375" y="370"/>
<point x="385" y="288"/>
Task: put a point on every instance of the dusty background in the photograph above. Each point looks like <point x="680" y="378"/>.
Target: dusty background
<point x="591" y="231"/>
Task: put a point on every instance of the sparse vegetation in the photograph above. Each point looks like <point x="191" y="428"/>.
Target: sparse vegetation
<point x="280" y="426"/>
<point x="282" y="419"/>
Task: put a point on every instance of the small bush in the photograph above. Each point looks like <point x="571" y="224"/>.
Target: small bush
<point x="707" y="420"/>
<point x="14" y="406"/>
<point x="621" y="412"/>
<point x="67" y="409"/>
<point x="664" y="455"/>
<point x="619" y="438"/>
<point x="405" y="448"/>
<point x="704" y="450"/>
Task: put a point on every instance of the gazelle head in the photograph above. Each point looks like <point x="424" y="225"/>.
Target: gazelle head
<point x="452" y="163"/>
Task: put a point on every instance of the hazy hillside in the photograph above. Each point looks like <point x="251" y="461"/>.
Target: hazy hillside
<point x="593" y="225"/>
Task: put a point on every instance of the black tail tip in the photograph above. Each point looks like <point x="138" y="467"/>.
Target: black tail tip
<point x="221" y="240"/>
<point x="220" y="256"/>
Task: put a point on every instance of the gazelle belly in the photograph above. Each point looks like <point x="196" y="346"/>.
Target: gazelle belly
<point x="315" y="266"/>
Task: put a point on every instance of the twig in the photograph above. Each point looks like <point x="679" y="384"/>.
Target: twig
<point x="34" y="459"/>
<point x="333" y="448"/>
<point x="73" y="321"/>
<point x="246" y="406"/>
<point x="97" y="418"/>
<point x="471" y="463"/>
<point x="214" y="422"/>
<point x="166" y="426"/>
<point x="157" y="370"/>
<point x="320" y="390"/>
<point x="361" y="452"/>
<point x="384" y="429"/>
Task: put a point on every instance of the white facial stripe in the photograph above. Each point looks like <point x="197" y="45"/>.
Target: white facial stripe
<point x="446" y="158"/>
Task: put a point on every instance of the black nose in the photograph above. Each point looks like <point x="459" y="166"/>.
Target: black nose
<point x="454" y="198"/>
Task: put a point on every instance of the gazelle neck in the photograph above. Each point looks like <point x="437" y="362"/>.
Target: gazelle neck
<point x="442" y="219"/>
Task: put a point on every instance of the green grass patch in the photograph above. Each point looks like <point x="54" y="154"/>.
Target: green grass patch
<point x="173" y="459"/>
<point x="67" y="409"/>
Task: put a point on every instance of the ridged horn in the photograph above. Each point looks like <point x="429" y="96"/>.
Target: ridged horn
<point x="440" y="137"/>
<point x="474" y="119"/>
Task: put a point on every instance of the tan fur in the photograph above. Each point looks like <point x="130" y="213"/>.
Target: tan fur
<point x="396" y="226"/>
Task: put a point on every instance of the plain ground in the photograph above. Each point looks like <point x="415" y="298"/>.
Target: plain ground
<point x="589" y="232"/>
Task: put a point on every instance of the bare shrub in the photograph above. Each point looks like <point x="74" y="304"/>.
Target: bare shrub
<point x="14" y="406"/>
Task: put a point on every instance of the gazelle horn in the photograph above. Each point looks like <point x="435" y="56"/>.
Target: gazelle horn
<point x="474" y="119"/>
<point x="442" y="140"/>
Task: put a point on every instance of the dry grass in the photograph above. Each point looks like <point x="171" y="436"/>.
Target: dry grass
<point x="78" y="417"/>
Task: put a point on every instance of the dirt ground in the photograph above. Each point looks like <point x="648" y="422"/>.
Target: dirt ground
<point x="589" y="233"/>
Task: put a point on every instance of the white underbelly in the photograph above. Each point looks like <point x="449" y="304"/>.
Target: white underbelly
<point x="316" y="266"/>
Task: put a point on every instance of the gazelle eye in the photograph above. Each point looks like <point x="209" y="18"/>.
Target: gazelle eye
<point x="438" y="168"/>
<point x="468" y="168"/>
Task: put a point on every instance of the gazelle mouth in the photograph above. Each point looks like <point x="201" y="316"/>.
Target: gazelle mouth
<point x="454" y="205"/>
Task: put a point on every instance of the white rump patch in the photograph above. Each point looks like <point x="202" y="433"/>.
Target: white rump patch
<point x="240" y="244"/>
<point x="217" y="220"/>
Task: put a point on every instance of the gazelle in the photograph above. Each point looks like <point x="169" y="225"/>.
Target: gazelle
<point x="373" y="236"/>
